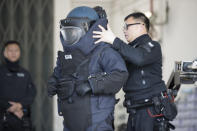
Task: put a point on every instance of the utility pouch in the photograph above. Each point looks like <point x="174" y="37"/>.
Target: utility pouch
<point x="65" y="89"/>
<point x="96" y="80"/>
<point x="169" y="109"/>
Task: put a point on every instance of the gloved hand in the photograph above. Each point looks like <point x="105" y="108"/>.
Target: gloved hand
<point x="83" y="88"/>
<point x="65" y="88"/>
<point x="51" y="86"/>
<point x="52" y="90"/>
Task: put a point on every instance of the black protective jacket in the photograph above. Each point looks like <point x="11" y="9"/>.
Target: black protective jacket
<point x="144" y="62"/>
<point x="16" y="86"/>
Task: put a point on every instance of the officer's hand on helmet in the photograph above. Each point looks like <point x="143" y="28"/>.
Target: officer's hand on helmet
<point x="83" y="88"/>
<point x="51" y="88"/>
<point x="104" y="35"/>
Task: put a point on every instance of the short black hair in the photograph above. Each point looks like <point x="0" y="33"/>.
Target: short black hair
<point x="140" y="16"/>
<point x="11" y="42"/>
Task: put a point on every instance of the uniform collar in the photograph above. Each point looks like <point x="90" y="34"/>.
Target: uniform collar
<point x="12" y="66"/>
<point x="140" y="40"/>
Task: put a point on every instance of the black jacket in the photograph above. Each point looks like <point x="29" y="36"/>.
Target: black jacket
<point x="144" y="62"/>
<point x="16" y="86"/>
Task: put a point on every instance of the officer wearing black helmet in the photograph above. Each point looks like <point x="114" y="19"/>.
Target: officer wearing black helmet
<point x="17" y="91"/>
<point x="87" y="76"/>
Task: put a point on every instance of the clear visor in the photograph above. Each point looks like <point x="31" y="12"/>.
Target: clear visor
<point x="71" y="34"/>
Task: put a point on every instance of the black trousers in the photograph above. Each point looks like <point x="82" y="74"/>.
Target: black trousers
<point x="143" y="121"/>
<point x="12" y="123"/>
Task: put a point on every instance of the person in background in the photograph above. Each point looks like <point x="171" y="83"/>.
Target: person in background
<point x="17" y="91"/>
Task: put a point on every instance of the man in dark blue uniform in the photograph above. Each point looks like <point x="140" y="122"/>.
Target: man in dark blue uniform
<point x="145" y="88"/>
<point x="87" y="76"/>
<point x="17" y="91"/>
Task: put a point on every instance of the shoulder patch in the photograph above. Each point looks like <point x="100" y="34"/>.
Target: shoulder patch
<point x="64" y="55"/>
<point x="20" y="74"/>
<point x="68" y="56"/>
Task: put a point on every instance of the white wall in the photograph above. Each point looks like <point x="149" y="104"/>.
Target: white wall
<point x="179" y="35"/>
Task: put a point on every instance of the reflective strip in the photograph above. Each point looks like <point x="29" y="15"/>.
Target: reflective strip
<point x="68" y="57"/>
<point x="143" y="82"/>
<point x="142" y="72"/>
<point x="150" y="44"/>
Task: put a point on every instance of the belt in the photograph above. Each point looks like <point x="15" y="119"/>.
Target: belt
<point x="137" y="104"/>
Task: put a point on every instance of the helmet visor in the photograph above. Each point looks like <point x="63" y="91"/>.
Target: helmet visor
<point x="71" y="34"/>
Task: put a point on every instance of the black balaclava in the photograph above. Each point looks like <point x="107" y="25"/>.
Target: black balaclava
<point x="12" y="66"/>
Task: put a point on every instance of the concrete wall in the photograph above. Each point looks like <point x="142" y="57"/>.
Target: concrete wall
<point x="179" y="34"/>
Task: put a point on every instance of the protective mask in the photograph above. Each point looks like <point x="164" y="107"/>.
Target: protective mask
<point x="71" y="34"/>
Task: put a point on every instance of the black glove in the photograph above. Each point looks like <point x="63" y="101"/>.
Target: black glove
<point x="65" y="88"/>
<point x="51" y="86"/>
<point x="83" y="88"/>
<point x="52" y="90"/>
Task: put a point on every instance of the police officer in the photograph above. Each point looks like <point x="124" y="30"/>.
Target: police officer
<point x="87" y="76"/>
<point x="16" y="90"/>
<point x="144" y="61"/>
